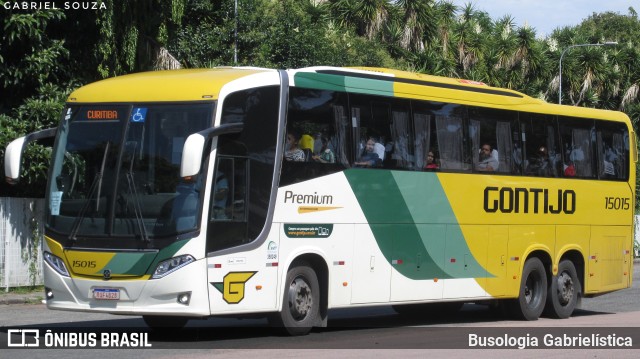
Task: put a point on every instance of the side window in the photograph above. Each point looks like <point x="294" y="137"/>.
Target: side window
<point x="317" y="131"/>
<point x="578" y="142"/>
<point x="542" y="155"/>
<point x="399" y="149"/>
<point x="245" y="164"/>
<point x="449" y="127"/>
<point x="371" y="119"/>
<point x="228" y="203"/>
<point x="494" y="141"/>
<point x="425" y="143"/>
<point x="612" y="150"/>
<point x="229" y="193"/>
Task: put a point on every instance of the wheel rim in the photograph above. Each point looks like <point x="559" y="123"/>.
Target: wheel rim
<point x="300" y="298"/>
<point x="565" y="288"/>
<point x="532" y="289"/>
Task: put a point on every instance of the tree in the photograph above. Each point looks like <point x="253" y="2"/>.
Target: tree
<point x="35" y="85"/>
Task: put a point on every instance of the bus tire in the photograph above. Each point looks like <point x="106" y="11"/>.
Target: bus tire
<point x="301" y="302"/>
<point x="161" y="323"/>
<point x="533" y="291"/>
<point x="564" y="291"/>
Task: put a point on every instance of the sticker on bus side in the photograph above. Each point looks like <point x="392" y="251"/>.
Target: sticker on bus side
<point x="308" y="230"/>
<point x="139" y="114"/>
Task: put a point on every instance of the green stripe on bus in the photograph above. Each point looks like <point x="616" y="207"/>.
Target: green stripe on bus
<point x="342" y="83"/>
<point x="138" y="264"/>
<point x="135" y="264"/>
<point x="412" y="221"/>
<point x="166" y="253"/>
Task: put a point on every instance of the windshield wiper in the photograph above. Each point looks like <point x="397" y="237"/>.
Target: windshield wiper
<point x="96" y="186"/>
<point x="137" y="208"/>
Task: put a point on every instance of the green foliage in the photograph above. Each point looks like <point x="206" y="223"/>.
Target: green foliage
<point x="33" y="80"/>
<point x="41" y="59"/>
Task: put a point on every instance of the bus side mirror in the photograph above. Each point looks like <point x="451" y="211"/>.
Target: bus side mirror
<point x="192" y="155"/>
<point x="194" y="147"/>
<point x="12" y="159"/>
<point x="13" y="153"/>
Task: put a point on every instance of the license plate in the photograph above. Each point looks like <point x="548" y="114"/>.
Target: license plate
<point x="106" y="294"/>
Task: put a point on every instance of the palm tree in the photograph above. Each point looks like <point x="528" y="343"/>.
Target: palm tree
<point x="419" y="18"/>
<point x="469" y="37"/>
<point x="366" y="16"/>
<point x="446" y="18"/>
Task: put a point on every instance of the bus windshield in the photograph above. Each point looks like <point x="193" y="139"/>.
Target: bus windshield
<point x="114" y="179"/>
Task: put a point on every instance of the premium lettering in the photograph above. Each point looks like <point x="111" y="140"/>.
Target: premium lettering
<point x="529" y="200"/>
<point x="315" y="198"/>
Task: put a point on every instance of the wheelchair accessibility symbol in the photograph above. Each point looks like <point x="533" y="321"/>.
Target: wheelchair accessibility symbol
<point x="139" y="114"/>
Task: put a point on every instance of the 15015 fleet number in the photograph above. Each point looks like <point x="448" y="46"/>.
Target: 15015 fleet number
<point x="617" y="203"/>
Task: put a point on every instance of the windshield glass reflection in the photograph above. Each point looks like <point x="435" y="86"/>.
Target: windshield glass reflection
<point x="115" y="174"/>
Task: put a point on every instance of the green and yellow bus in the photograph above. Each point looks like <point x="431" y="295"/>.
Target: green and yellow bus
<point x="187" y="194"/>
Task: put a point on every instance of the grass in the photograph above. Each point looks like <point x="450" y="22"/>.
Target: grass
<point x="24" y="290"/>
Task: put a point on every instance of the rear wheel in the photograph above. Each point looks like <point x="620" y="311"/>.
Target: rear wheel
<point x="160" y="323"/>
<point x="533" y="291"/>
<point x="301" y="302"/>
<point x="564" y="290"/>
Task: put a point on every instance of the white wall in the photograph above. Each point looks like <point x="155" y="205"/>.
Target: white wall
<point x="18" y="219"/>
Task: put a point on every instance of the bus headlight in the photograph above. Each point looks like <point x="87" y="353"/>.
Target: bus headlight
<point x="171" y="265"/>
<point x="57" y="263"/>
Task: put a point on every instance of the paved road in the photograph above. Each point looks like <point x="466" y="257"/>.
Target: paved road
<point x="362" y="329"/>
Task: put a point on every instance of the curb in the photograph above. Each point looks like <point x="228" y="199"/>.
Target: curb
<point x="21" y="300"/>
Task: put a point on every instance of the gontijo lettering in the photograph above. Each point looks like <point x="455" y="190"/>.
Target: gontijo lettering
<point x="529" y="200"/>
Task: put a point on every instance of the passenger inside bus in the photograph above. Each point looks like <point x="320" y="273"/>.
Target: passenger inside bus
<point x="488" y="159"/>
<point x="370" y="157"/>
<point x="306" y="144"/>
<point x="325" y="155"/>
<point x="540" y="164"/>
<point x="432" y="162"/>
<point x="293" y="152"/>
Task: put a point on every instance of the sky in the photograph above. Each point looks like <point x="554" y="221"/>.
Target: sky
<point x="547" y="15"/>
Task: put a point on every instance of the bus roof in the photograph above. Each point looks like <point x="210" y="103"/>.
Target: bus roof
<point x="397" y="83"/>
<point x="162" y="86"/>
<point x="205" y="85"/>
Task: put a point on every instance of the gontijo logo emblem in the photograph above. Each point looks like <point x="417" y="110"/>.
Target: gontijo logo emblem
<point x="233" y="286"/>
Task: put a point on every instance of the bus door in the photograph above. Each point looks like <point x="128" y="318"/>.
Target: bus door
<point x="242" y="245"/>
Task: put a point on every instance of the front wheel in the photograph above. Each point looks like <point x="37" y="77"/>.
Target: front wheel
<point x="301" y="302"/>
<point x="564" y="290"/>
<point x="533" y="291"/>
